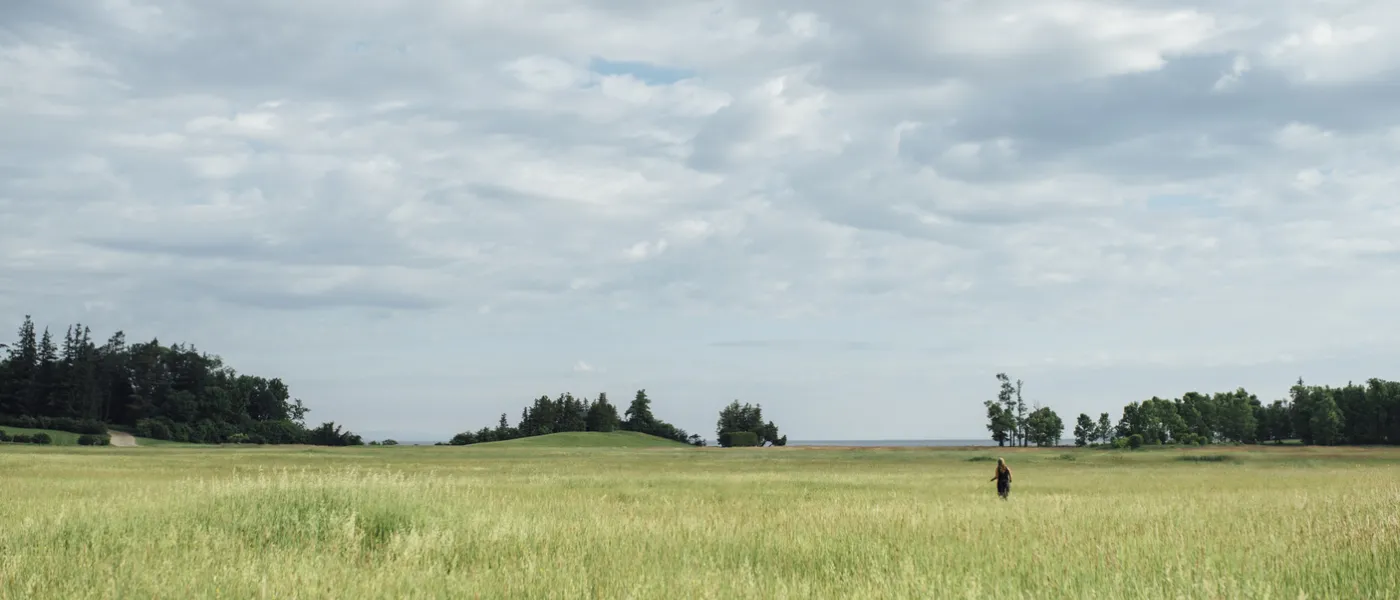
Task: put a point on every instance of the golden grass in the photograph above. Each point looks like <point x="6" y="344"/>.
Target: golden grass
<point x="451" y="522"/>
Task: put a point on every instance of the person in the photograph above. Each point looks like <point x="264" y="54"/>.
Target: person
<point x="1003" y="478"/>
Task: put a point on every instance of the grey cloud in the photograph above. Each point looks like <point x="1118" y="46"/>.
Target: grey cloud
<point x="257" y="294"/>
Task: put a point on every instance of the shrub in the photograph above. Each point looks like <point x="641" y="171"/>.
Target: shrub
<point x="4" y="437"/>
<point x="1206" y="458"/>
<point x="390" y="443"/>
<point x="1135" y="441"/>
<point x="40" y="438"/>
<point x="89" y="439"/>
<point x="1120" y="443"/>
<point x="156" y="429"/>
<point x="238" y="438"/>
<point x="68" y="424"/>
<point x="277" y="432"/>
<point x="981" y="458"/>
<point x="738" y="439"/>
<point x="463" y="439"/>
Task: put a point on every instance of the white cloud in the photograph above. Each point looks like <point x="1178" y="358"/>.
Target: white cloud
<point x="1071" y="190"/>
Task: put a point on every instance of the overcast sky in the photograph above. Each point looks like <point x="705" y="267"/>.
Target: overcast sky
<point x="423" y="214"/>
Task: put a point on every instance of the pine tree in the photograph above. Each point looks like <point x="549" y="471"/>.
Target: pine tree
<point x="639" y="417"/>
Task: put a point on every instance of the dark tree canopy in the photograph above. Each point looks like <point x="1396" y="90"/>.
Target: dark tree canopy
<point x="165" y="392"/>
<point x="737" y="418"/>
<point x="567" y="413"/>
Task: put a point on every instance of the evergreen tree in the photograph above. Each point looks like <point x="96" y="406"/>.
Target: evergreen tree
<point x="639" y="417"/>
<point x="602" y="415"/>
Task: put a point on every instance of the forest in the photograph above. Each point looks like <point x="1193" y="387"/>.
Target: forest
<point x="1354" y="414"/>
<point x="149" y="389"/>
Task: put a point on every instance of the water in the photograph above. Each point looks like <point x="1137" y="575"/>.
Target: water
<point x="854" y="443"/>
<point x="900" y="443"/>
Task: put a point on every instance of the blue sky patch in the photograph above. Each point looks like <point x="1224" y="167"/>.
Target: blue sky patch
<point x="646" y="72"/>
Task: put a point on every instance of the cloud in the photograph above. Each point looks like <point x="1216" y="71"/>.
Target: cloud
<point x="583" y="367"/>
<point x="410" y="200"/>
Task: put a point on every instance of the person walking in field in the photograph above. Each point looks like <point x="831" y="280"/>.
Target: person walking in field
<point x="1003" y="478"/>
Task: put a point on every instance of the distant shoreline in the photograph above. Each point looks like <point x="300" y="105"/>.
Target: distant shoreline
<point x="898" y="443"/>
<point x="862" y="443"/>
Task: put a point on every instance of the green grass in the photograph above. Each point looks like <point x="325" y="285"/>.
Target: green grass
<point x="514" y="521"/>
<point x="67" y="438"/>
<point x="580" y="439"/>
<point x="60" y="438"/>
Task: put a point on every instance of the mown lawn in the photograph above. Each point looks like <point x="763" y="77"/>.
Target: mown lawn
<point x="514" y="521"/>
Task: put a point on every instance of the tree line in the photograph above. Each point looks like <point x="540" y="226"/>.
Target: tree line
<point x="738" y="425"/>
<point x="568" y="413"/>
<point x="1354" y="414"/>
<point x="163" y="392"/>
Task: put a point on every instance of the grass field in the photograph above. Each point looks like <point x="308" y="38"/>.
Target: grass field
<point x="514" y="521"/>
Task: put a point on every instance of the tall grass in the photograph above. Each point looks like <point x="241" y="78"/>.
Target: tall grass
<point x="441" y="522"/>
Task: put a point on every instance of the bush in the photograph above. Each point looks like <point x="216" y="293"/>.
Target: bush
<point x="21" y="438"/>
<point x="1135" y="441"/>
<point x="1120" y="443"/>
<point x="88" y="439"/>
<point x="463" y="439"/>
<point x="156" y="429"/>
<point x="40" y="438"/>
<point x="390" y="443"/>
<point x="58" y="423"/>
<point x="277" y="432"/>
<point x="238" y="438"/>
<point x="4" y="437"/>
<point x="1206" y="458"/>
<point x="738" y="439"/>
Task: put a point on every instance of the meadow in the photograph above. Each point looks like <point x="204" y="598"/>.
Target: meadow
<point x="573" y="521"/>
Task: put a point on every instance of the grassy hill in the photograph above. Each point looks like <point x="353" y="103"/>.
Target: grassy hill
<point x="67" y="438"/>
<point x="590" y="439"/>
<point x="60" y="438"/>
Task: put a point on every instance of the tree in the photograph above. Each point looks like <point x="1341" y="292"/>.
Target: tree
<point x="1044" y="427"/>
<point x="22" y="369"/>
<point x="1012" y="420"/>
<point x="602" y="415"/>
<point x="1326" y="422"/>
<point x="1022" y="420"/>
<point x="168" y="392"/>
<point x="1236" y="416"/>
<point x="569" y="413"/>
<point x="736" y="418"/>
<point x="1084" y="430"/>
<point x="1104" y="430"/>
<point x="1000" y="423"/>
<point x="639" y="417"/>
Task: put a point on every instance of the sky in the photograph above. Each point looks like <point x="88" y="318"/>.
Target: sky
<point x="422" y="214"/>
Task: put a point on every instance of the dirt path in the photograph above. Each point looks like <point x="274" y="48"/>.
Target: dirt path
<point x="122" y="439"/>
